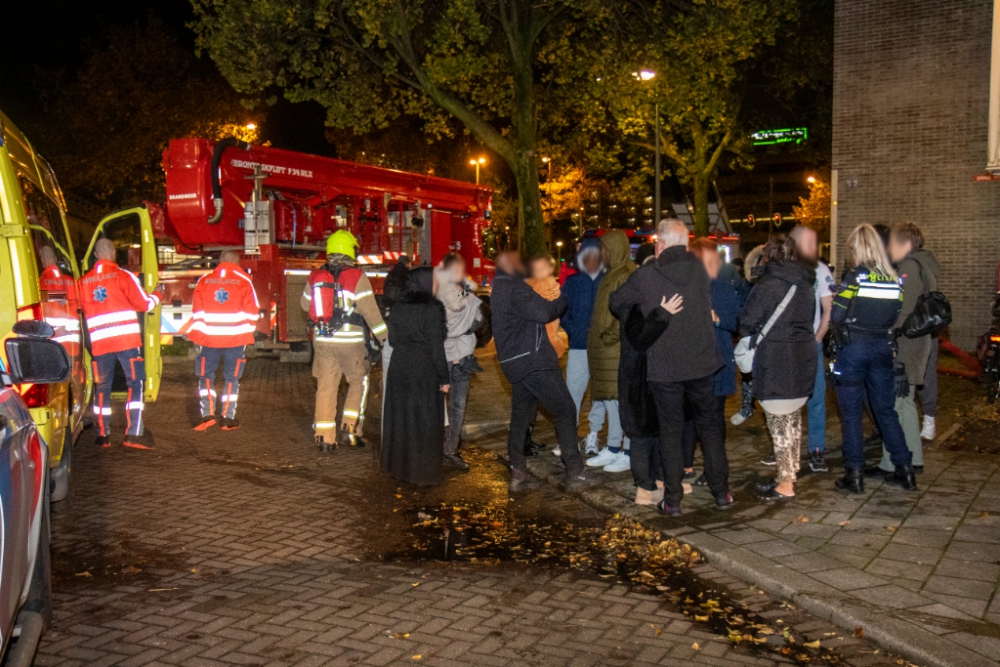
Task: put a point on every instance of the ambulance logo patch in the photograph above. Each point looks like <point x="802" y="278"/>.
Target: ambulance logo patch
<point x="221" y="295"/>
<point x="100" y="294"/>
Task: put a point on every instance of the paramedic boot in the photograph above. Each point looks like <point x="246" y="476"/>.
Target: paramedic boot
<point x="349" y="439"/>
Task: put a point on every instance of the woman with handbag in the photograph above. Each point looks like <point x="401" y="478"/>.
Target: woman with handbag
<point x="777" y="326"/>
<point x="863" y="317"/>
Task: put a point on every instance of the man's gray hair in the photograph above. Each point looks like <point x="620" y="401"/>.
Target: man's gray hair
<point x="671" y="232"/>
<point x="229" y="256"/>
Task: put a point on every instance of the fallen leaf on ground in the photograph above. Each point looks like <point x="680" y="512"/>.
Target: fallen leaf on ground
<point x="859" y="632"/>
<point x="695" y="646"/>
<point x="844" y="523"/>
<point x="417" y="657"/>
<point x="985" y="515"/>
<point x="84" y="574"/>
<point x="814" y="644"/>
<point x="802" y="518"/>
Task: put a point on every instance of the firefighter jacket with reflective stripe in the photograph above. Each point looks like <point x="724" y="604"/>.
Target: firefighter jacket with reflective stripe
<point x="868" y="303"/>
<point x="110" y="297"/>
<point x="318" y="298"/>
<point x="61" y="308"/>
<point x="225" y="308"/>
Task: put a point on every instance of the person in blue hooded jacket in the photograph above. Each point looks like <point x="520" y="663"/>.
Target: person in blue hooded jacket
<point x="579" y="293"/>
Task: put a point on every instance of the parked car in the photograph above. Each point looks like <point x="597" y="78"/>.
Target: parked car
<point x="25" y="573"/>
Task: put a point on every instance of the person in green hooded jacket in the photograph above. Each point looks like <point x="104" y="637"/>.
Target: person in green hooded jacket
<point x="603" y="352"/>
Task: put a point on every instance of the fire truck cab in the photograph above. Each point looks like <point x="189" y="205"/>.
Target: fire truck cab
<point x="277" y="208"/>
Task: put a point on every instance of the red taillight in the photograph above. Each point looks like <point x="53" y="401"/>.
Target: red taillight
<point x="34" y="395"/>
<point x="32" y="312"/>
<point x="36" y="460"/>
<point x="995" y="339"/>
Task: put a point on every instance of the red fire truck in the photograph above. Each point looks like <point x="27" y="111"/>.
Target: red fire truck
<point x="277" y="208"/>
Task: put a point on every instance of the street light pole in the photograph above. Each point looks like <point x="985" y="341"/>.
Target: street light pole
<point x="476" y="163"/>
<point x="656" y="191"/>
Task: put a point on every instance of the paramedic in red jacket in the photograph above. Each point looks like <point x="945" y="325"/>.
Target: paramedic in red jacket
<point x="340" y="346"/>
<point x="224" y="320"/>
<point x="61" y="308"/>
<point x="110" y="297"/>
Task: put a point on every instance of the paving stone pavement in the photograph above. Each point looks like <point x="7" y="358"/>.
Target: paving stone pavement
<point x="918" y="571"/>
<point x="250" y="548"/>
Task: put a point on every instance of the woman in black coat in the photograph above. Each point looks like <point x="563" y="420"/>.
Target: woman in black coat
<point x="413" y="417"/>
<point x="784" y="366"/>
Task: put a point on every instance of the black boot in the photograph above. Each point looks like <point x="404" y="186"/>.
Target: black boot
<point x="853" y="480"/>
<point x="904" y="477"/>
<point x="532" y="445"/>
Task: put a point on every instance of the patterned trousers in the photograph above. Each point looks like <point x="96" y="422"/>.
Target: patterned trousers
<point x="786" y="432"/>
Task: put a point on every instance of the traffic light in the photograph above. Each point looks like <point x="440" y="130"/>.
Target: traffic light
<point x="777" y="219"/>
<point x="751" y="220"/>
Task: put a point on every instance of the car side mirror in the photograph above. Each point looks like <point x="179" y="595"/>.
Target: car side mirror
<point x="36" y="360"/>
<point x="33" y="329"/>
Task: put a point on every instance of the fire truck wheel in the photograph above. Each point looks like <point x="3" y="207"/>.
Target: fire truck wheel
<point x="300" y="353"/>
<point x="484" y="334"/>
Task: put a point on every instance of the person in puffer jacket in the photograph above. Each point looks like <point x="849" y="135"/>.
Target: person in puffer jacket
<point x="579" y="292"/>
<point x="603" y="351"/>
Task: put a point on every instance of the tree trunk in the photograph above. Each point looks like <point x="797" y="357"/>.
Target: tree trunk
<point x="530" y="203"/>
<point x="701" y="186"/>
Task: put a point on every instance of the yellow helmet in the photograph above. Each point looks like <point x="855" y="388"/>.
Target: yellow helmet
<point x="342" y="242"/>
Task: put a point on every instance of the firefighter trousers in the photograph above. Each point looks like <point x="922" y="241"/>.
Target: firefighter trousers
<point x="104" y="374"/>
<point x="205" y="364"/>
<point x="331" y="362"/>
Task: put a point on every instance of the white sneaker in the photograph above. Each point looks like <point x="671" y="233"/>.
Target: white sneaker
<point x="557" y="452"/>
<point x="737" y="419"/>
<point x="928" y="432"/>
<point x="604" y="458"/>
<point x="621" y="463"/>
<point x="591" y="446"/>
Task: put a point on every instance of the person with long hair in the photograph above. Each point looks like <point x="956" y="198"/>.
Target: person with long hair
<point x="864" y="314"/>
<point x="784" y="368"/>
<point x="413" y="423"/>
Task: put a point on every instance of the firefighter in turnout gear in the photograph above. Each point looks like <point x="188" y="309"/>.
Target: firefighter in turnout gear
<point x="344" y="315"/>
<point x="225" y="313"/>
<point x="110" y="297"/>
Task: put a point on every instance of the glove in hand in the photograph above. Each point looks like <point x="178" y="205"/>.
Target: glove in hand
<point x="900" y="381"/>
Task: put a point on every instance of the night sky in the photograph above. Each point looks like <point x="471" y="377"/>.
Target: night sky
<point x="42" y="36"/>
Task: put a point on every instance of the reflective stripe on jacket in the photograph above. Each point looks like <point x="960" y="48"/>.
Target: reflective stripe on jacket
<point x="225" y="308"/>
<point x="110" y="297"/>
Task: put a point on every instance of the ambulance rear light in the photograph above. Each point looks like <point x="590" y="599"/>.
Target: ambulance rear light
<point x="995" y="339"/>
<point x="32" y="312"/>
<point x="34" y="395"/>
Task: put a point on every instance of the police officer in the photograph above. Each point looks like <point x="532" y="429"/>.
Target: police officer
<point x="225" y="313"/>
<point x="863" y="315"/>
<point x="110" y="297"/>
<point x="342" y="310"/>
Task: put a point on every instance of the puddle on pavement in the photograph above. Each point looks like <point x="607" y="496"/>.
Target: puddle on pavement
<point x="105" y="564"/>
<point x="541" y="529"/>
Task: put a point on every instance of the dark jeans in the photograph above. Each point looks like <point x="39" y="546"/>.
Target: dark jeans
<point x="866" y="364"/>
<point x="644" y="455"/>
<point x="669" y="397"/>
<point x="548" y="388"/>
<point x="690" y="437"/>
<point x="458" y="397"/>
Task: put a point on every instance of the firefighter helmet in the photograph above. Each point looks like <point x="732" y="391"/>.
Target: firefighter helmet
<point x="342" y="242"/>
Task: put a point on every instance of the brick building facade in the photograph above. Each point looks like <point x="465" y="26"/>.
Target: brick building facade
<point x="910" y="130"/>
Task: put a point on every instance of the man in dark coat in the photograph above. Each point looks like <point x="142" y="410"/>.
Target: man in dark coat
<point x="532" y="368"/>
<point x="682" y="362"/>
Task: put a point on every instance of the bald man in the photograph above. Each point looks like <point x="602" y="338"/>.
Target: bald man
<point x="110" y="297"/>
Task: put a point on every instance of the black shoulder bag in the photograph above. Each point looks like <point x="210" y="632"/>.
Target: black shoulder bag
<point x="931" y="313"/>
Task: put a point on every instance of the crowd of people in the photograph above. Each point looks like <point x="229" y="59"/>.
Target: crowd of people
<point x="656" y="341"/>
<point x="655" y="338"/>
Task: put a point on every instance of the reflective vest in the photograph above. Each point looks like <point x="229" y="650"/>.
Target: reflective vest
<point x="110" y="297"/>
<point x="225" y="308"/>
<point x="337" y="305"/>
<point x="60" y="310"/>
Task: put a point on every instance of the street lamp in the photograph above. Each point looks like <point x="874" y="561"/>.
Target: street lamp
<point x="251" y="126"/>
<point x="477" y="162"/>
<point x="649" y="75"/>
<point x="811" y="180"/>
<point x="559" y="245"/>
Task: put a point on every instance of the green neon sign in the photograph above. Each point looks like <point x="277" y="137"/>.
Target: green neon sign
<point x="787" y="135"/>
